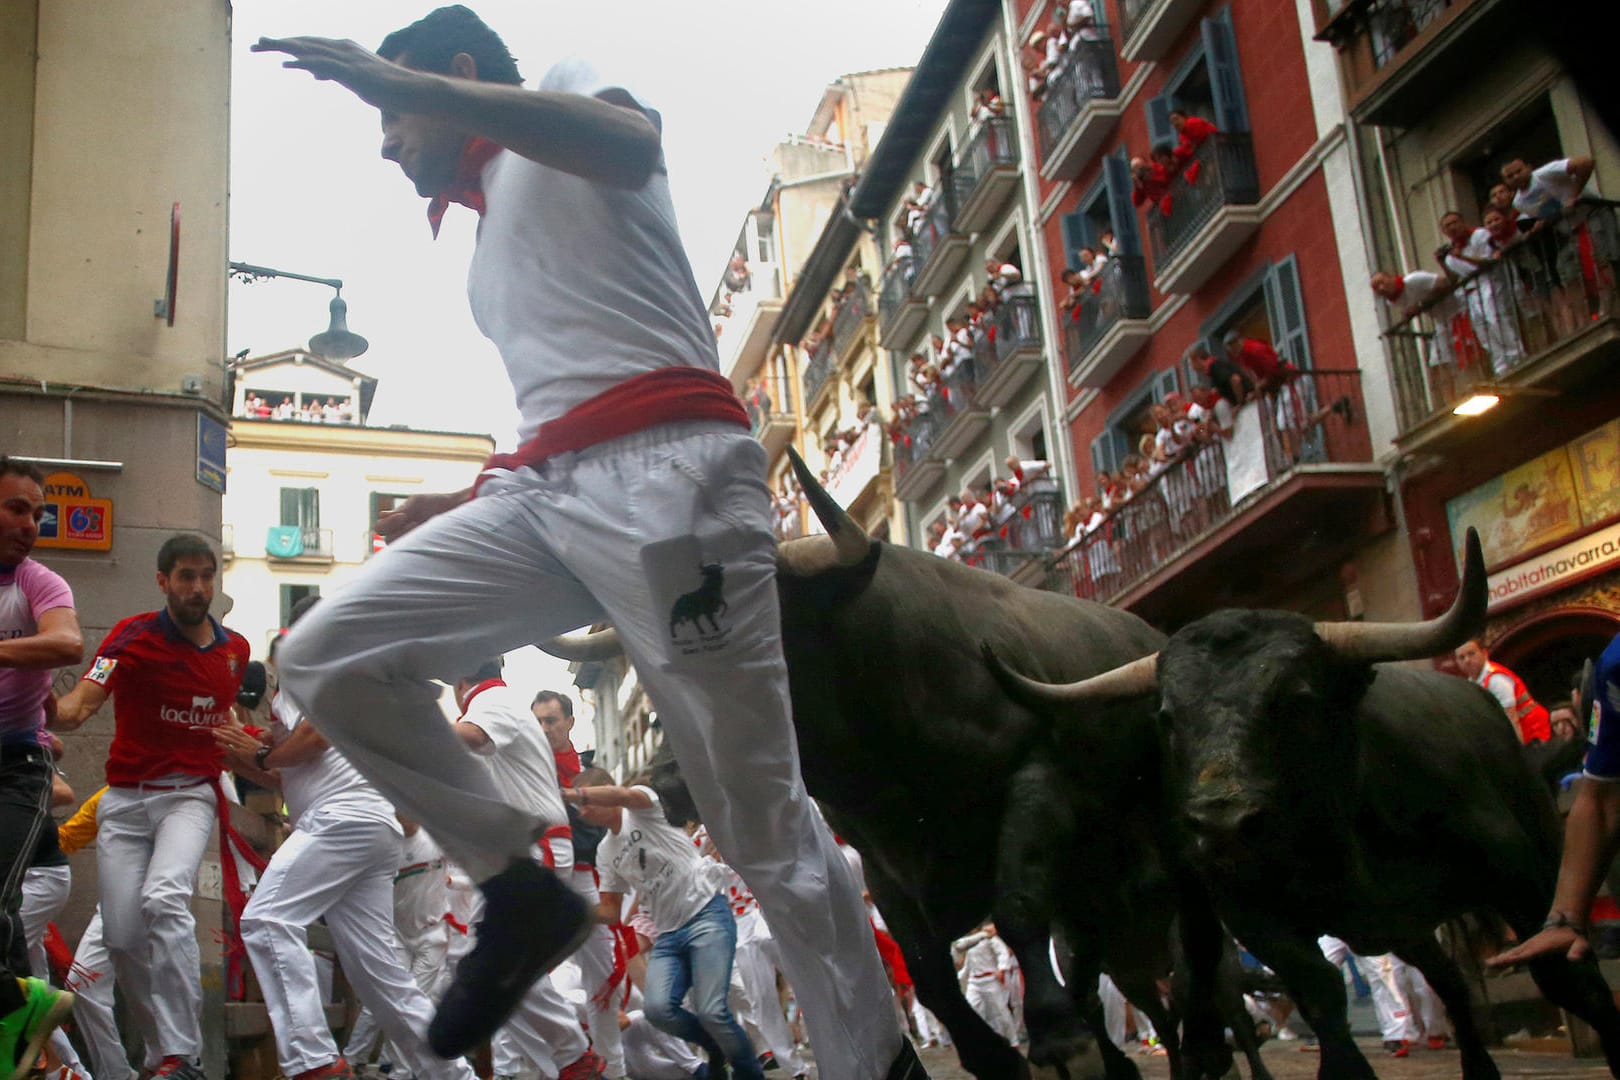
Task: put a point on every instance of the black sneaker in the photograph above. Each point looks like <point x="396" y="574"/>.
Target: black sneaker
<point x="1346" y="410"/>
<point x="907" y="1066"/>
<point x="531" y="923"/>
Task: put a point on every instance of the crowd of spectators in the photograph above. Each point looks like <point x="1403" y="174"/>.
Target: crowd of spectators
<point x="941" y="376"/>
<point x="981" y="513"/>
<point x="1047" y="52"/>
<point x="1538" y="266"/>
<point x="314" y="410"/>
<point x="737" y="279"/>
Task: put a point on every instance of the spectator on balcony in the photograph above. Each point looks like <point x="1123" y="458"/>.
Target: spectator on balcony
<point x="1080" y="20"/>
<point x="1546" y="192"/>
<point x="1006" y="280"/>
<point x="1230" y="380"/>
<point x="1025" y="472"/>
<point x="1586" y="247"/>
<point x="987" y="106"/>
<point x="917" y="206"/>
<point x="1107" y="245"/>
<point x="1034" y="80"/>
<point x="921" y="374"/>
<point x="250" y="404"/>
<point x="1191" y="133"/>
<point x="1213" y="414"/>
<point x="1501" y="198"/>
<point x="331" y="412"/>
<point x="1489" y="325"/>
<point x="1150" y="184"/>
<point x="973" y="516"/>
<point x="900" y="255"/>
<point x="737" y="277"/>
<point x="1092" y="264"/>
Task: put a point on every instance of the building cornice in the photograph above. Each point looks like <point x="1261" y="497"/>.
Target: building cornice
<point x="346" y="439"/>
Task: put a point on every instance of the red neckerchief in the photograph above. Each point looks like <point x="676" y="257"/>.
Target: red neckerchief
<point x="1400" y="286"/>
<point x="475" y="691"/>
<point x="568" y="766"/>
<point x="468" y="186"/>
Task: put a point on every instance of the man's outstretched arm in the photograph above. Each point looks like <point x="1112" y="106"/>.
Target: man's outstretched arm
<point x="604" y="139"/>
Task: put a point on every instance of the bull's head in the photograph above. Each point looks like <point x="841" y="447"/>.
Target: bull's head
<point x="1255" y="708"/>
<point x="844" y="545"/>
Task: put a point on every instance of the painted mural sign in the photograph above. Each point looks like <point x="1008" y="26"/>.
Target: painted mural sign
<point x="1563" y="494"/>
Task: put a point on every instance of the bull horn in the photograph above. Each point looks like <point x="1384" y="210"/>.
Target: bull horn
<point x="846" y="543"/>
<point x="588" y="646"/>
<point x="1130" y="680"/>
<point x="1378" y="642"/>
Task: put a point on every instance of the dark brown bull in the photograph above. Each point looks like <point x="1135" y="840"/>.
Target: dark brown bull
<point x="1319" y="791"/>
<point x="965" y="803"/>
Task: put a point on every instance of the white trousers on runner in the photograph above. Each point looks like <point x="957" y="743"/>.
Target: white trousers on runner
<point x="91" y="980"/>
<point x="756" y="963"/>
<point x="1395" y="1023"/>
<point x="45" y="891"/>
<point x="341" y="869"/>
<point x="630" y="530"/>
<point x="148" y="848"/>
<point x="595" y="960"/>
<point x="544" y="1032"/>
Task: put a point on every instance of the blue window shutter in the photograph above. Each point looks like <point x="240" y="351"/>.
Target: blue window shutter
<point x="1076" y="235"/>
<point x="1285" y="310"/>
<point x="1101" y="460"/>
<point x="1117" y="176"/>
<point x="1160" y="133"/>
<point x="1099" y="11"/>
<point x="1225" y="76"/>
<point x="1165" y="384"/>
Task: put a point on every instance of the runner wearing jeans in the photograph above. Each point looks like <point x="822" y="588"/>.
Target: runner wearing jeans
<point x="697" y="934"/>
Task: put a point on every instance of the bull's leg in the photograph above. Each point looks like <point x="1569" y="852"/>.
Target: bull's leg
<point x="1198" y="941"/>
<point x="928" y="957"/>
<point x="1317" y="988"/>
<point x="1448" y="983"/>
<point x="1230" y="1000"/>
<point x="1116" y="1063"/>
<point x="1036" y="828"/>
<point x="1142" y="991"/>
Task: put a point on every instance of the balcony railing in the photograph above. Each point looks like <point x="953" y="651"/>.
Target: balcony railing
<point x="297" y="542"/>
<point x="818" y="370"/>
<point x="1225" y="176"/>
<point x="1120" y="291"/>
<point x="1210" y="482"/>
<point x="1030" y="528"/>
<point x="1017" y="327"/>
<point x="1543" y="293"/>
<point x="994" y="144"/>
<point x="767" y="403"/>
<point x="1090" y="72"/>
<point x="896" y="287"/>
<point x="936" y="225"/>
<point x="915" y="442"/>
<point x="851" y="316"/>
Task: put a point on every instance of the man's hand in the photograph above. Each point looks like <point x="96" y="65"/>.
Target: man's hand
<point x="234" y="738"/>
<point x="1549" y="942"/>
<point x="417" y="509"/>
<point x="373" y="80"/>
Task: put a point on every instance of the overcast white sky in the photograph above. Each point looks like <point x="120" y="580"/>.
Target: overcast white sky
<point x="309" y="193"/>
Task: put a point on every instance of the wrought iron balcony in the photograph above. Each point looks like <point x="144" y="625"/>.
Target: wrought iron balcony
<point x="939" y="245"/>
<point x="986" y="172"/>
<point x="1079" y="107"/>
<point x="292" y="543"/>
<point x="1028" y="531"/>
<point x="770" y="413"/>
<point x="1316" y="420"/>
<point x="1013" y="350"/>
<point x="1109" y="324"/>
<point x="1148" y="28"/>
<point x="916" y="468"/>
<point x="851" y="317"/>
<point x="818" y="370"/>
<point x="1543" y="315"/>
<point x="1211" y="215"/>
<point x="900" y="311"/>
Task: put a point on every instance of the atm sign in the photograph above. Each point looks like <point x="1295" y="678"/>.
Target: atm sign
<point x="73" y="519"/>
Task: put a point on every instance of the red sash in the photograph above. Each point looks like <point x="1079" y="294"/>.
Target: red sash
<point x="235" y="896"/>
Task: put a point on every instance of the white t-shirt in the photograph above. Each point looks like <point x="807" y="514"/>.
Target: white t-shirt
<point x="581" y="285"/>
<point x="520" y="762"/>
<point x="660" y="862"/>
<point x="421" y="889"/>
<point x="1551" y="189"/>
<point x="327" y="782"/>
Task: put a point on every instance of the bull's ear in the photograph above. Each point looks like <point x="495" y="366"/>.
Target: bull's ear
<point x="1349" y="681"/>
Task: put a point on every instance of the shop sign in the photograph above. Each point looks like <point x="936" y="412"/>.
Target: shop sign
<point x="1555" y="569"/>
<point x="73" y="520"/>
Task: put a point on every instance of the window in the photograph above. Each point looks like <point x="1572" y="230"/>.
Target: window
<point x="291" y="595"/>
<point x="1130" y="421"/>
<point x="1268" y="307"/>
<point x="765" y="226"/>
<point x="380" y="505"/>
<point x="1209" y="83"/>
<point x="1105" y="208"/>
<point x="1532" y="134"/>
<point x="301" y="507"/>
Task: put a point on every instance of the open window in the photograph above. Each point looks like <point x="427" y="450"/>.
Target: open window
<point x="1209" y="83"/>
<point x="292" y="595"/>
<point x="1131" y="420"/>
<point x="1105" y="208"/>
<point x="1268" y="307"/>
<point x="1531" y="134"/>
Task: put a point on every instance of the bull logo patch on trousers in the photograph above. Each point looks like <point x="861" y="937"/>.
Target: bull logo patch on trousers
<point x="702" y="607"/>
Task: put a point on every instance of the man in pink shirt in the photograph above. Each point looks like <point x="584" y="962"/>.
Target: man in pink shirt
<point x="39" y="631"/>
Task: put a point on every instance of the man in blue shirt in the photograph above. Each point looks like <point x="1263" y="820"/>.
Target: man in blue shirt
<point x="1592" y="831"/>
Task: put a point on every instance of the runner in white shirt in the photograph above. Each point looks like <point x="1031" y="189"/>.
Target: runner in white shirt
<point x="496" y="724"/>
<point x="982" y="957"/>
<point x="338" y="864"/>
<point x="697" y="933"/>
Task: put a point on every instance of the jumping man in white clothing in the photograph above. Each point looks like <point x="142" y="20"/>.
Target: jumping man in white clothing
<point x="638" y="497"/>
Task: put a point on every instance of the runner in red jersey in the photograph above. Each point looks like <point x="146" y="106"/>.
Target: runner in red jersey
<point x="173" y="675"/>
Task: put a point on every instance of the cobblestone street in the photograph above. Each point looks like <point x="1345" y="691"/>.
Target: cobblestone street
<point x="1288" y="1063"/>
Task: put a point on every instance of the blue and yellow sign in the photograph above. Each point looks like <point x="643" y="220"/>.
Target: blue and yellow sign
<point x="73" y="520"/>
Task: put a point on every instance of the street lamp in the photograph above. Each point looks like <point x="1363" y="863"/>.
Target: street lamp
<point x="337" y="341"/>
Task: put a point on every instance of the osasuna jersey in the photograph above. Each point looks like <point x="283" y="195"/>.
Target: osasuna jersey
<point x="1603" y="759"/>
<point x="168" y="694"/>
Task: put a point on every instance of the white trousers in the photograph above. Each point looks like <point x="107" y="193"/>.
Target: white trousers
<point x="621" y="531"/>
<point x="756" y="965"/>
<point x="595" y="960"/>
<point x="45" y="890"/>
<point x="342" y="869"/>
<point x="1395" y="1021"/>
<point x="148" y="848"/>
<point x="426" y="957"/>
<point x="988" y="996"/>
<point x="651" y="1054"/>
<point x="91" y="980"/>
